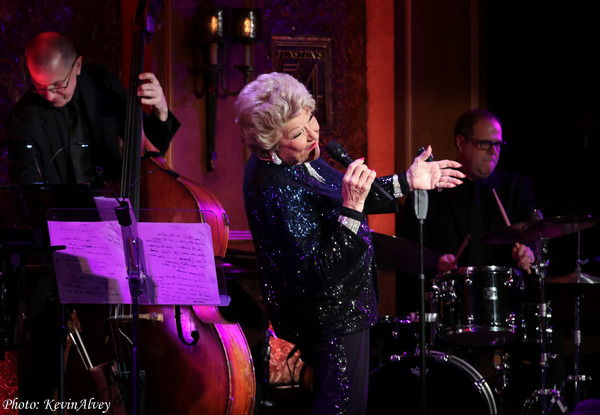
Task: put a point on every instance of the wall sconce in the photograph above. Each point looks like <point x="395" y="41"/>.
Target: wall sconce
<point x="213" y="37"/>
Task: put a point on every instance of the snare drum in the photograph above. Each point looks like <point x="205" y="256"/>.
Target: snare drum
<point x="453" y="387"/>
<point x="479" y="306"/>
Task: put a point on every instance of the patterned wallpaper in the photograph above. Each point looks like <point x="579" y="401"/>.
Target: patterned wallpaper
<point x="344" y="23"/>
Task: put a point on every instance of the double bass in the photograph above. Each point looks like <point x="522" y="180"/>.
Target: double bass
<point x="191" y="360"/>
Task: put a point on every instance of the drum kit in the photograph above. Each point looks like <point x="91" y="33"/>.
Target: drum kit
<point x="477" y="310"/>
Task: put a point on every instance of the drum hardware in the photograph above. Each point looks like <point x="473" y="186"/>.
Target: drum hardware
<point x="579" y="281"/>
<point x="530" y="322"/>
<point x="540" y="230"/>
<point x="393" y="338"/>
<point x="578" y="378"/>
<point x="541" y="395"/>
<point x="502" y="367"/>
<point x="576" y="277"/>
<point x="478" y="306"/>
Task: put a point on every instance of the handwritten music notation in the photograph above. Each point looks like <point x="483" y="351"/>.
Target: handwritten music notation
<point x="92" y="269"/>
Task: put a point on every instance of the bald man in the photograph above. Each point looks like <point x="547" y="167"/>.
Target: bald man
<point x="71" y="120"/>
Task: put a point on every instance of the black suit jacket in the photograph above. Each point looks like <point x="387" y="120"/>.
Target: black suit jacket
<point x="35" y="134"/>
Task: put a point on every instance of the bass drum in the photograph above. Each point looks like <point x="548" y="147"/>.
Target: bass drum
<point x="453" y="387"/>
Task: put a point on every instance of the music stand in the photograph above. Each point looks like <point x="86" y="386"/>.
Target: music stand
<point x="109" y="260"/>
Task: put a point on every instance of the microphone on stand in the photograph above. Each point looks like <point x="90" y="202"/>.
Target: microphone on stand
<point x="421" y="206"/>
<point x="337" y="152"/>
<point x="420" y="197"/>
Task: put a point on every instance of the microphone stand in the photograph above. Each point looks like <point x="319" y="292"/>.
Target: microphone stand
<point x="421" y="205"/>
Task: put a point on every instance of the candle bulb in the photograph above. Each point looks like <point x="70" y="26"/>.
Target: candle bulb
<point x="214" y="26"/>
<point x="247" y="30"/>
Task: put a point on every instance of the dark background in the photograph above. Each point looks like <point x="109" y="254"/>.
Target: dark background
<point x="543" y="82"/>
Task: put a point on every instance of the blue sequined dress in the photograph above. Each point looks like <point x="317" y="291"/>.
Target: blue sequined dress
<point x="318" y="277"/>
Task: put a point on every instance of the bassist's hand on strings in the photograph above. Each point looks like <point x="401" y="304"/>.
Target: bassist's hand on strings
<point x="152" y="94"/>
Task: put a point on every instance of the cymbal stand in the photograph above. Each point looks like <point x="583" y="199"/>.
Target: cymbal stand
<point x="577" y="329"/>
<point x="577" y="378"/>
<point x="542" y="393"/>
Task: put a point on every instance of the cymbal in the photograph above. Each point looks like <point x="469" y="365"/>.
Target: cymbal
<point x="573" y="278"/>
<point x="540" y="228"/>
<point x="398" y="254"/>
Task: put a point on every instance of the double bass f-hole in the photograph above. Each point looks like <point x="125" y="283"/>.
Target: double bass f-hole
<point x="194" y="333"/>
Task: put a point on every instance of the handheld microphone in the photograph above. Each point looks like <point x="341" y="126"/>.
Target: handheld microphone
<point x="337" y="152"/>
<point x="422" y="149"/>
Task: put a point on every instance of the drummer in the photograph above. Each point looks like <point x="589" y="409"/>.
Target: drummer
<point x="458" y="217"/>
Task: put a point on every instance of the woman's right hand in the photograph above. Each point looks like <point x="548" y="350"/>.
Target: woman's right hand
<point x="356" y="184"/>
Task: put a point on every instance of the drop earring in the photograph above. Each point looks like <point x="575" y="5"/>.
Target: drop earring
<point x="275" y="158"/>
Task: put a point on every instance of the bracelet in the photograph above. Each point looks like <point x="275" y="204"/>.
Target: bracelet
<point x="397" y="188"/>
<point x="352" y="214"/>
<point x="350" y="223"/>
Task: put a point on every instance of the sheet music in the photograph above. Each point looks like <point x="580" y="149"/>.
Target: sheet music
<point x="181" y="261"/>
<point x="92" y="268"/>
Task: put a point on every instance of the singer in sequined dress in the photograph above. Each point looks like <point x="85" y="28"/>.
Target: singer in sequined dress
<point x="312" y="239"/>
<point x="70" y="121"/>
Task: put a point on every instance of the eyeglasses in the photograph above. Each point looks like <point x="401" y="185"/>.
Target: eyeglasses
<point x="487" y="144"/>
<point x="56" y="89"/>
<point x="298" y="131"/>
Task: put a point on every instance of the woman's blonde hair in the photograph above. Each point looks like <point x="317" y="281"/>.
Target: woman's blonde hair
<point x="265" y="105"/>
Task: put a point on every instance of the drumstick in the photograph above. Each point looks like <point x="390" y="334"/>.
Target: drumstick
<point x="501" y="208"/>
<point x="462" y="247"/>
<point x="505" y="217"/>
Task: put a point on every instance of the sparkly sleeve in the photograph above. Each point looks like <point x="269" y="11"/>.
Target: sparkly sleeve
<point x="301" y="240"/>
<point x="396" y="185"/>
